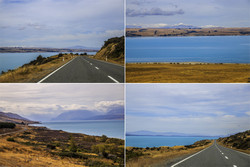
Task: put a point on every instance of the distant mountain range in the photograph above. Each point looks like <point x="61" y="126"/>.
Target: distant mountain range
<point x="82" y="47"/>
<point x="170" y="134"/>
<point x="14" y="118"/>
<point x="116" y="113"/>
<point x="170" y="26"/>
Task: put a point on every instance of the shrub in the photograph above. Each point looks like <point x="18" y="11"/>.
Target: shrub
<point x="10" y="139"/>
<point x="7" y="125"/>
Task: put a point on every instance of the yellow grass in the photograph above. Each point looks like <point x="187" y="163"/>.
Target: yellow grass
<point x="34" y="73"/>
<point x="13" y="154"/>
<point x="187" y="73"/>
<point x="163" y="156"/>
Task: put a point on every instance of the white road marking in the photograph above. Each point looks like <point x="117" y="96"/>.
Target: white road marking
<point x="226" y="157"/>
<point x="222" y="153"/>
<point x="190" y="157"/>
<point x="97" y="68"/>
<point x="90" y="63"/>
<point x="55" y="71"/>
<point x="234" y="166"/>
<point x="113" y="79"/>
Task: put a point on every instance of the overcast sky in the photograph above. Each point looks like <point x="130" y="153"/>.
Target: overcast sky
<point x="45" y="101"/>
<point x="208" y="109"/>
<point x="158" y="13"/>
<point x="60" y="23"/>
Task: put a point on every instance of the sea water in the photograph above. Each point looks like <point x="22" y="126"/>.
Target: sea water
<point x="210" y="49"/>
<point x="157" y="141"/>
<point x="10" y="61"/>
<point x="110" y="128"/>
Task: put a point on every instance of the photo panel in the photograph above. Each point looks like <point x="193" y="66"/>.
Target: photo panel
<point x="187" y="125"/>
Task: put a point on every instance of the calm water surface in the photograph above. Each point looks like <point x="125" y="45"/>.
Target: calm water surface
<point x="211" y="49"/>
<point x="110" y="128"/>
<point x="157" y="141"/>
<point x="15" y="60"/>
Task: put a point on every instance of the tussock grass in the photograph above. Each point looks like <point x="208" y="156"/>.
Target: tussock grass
<point x="187" y="73"/>
<point x="34" y="72"/>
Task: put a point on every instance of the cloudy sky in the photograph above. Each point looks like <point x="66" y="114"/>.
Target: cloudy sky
<point x="159" y="13"/>
<point x="45" y="101"/>
<point x="60" y="23"/>
<point x="208" y="109"/>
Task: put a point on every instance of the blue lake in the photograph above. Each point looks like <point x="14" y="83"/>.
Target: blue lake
<point x="157" y="141"/>
<point x="14" y="60"/>
<point x="110" y="128"/>
<point x="210" y="49"/>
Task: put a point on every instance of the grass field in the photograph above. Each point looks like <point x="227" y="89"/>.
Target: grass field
<point x="39" y="146"/>
<point x="161" y="156"/>
<point x="187" y="73"/>
<point x="35" y="72"/>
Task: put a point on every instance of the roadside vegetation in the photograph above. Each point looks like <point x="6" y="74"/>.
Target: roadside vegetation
<point x="161" y="156"/>
<point x="37" y="69"/>
<point x="239" y="141"/>
<point x="187" y="73"/>
<point x="39" y="146"/>
<point x="112" y="51"/>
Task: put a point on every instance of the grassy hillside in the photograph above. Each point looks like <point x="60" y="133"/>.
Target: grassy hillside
<point x="239" y="141"/>
<point x="113" y="50"/>
<point x="39" y="146"/>
<point x="161" y="156"/>
<point x="36" y="69"/>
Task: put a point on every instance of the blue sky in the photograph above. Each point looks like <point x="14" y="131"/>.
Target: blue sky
<point x="202" y="13"/>
<point x="208" y="109"/>
<point x="45" y="101"/>
<point x="60" y="23"/>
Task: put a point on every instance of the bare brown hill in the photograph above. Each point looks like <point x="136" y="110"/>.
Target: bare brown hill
<point x="14" y="118"/>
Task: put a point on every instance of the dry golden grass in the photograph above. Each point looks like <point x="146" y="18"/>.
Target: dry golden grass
<point x="240" y="150"/>
<point x="13" y="154"/>
<point x="34" y="73"/>
<point x="187" y="73"/>
<point x="163" y="156"/>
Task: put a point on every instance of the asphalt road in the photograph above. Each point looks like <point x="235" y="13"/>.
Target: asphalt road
<point x="215" y="156"/>
<point x="86" y="70"/>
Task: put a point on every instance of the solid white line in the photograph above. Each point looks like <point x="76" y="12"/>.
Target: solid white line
<point x="97" y="68"/>
<point x="113" y="79"/>
<point x="55" y="71"/>
<point x="226" y="157"/>
<point x="190" y="157"/>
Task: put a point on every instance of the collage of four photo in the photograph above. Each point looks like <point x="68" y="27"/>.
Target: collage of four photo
<point x="136" y="83"/>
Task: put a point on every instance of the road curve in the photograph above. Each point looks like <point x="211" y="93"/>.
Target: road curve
<point x="86" y="70"/>
<point x="215" y="156"/>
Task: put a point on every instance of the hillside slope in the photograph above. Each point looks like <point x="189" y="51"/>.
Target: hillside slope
<point x="238" y="141"/>
<point x="14" y="118"/>
<point x="113" y="50"/>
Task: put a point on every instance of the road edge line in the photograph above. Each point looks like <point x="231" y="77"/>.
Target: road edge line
<point x="54" y="71"/>
<point x="113" y="79"/>
<point x="190" y="156"/>
<point x="108" y="62"/>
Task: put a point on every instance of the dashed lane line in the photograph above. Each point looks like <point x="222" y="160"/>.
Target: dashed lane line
<point x="226" y="157"/>
<point x="97" y="68"/>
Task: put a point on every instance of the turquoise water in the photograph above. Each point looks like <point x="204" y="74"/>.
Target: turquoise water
<point x="210" y="49"/>
<point x="157" y="141"/>
<point x="10" y="61"/>
<point x="110" y="128"/>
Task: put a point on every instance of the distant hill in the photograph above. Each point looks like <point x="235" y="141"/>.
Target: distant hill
<point x="170" y="134"/>
<point x="239" y="141"/>
<point x="112" y="114"/>
<point x="14" y="118"/>
<point x="186" y="30"/>
<point x="83" y="47"/>
<point x="113" y="49"/>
